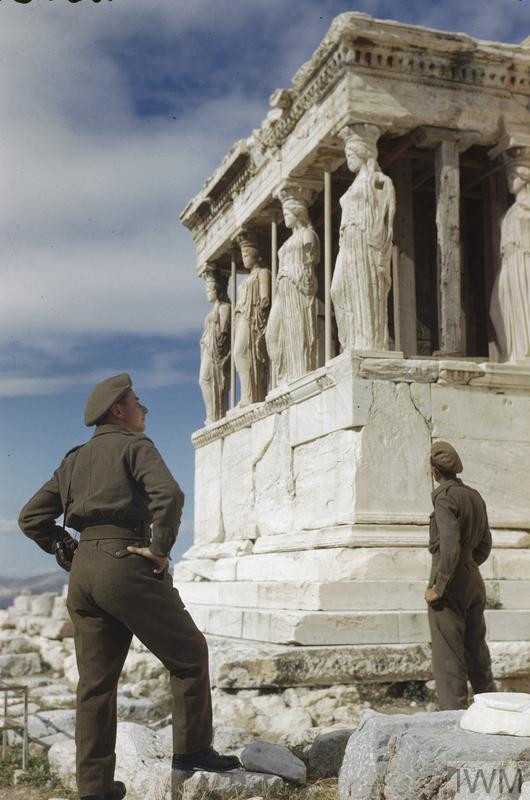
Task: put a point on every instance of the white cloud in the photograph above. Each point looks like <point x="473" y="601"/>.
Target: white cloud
<point x="92" y="240"/>
<point x="8" y="527"/>
<point x="162" y="369"/>
<point x="92" y="243"/>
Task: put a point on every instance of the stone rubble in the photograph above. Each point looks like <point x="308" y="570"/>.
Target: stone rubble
<point x="311" y="726"/>
<point x="260" y="756"/>
<point x="428" y="756"/>
<point x="37" y="649"/>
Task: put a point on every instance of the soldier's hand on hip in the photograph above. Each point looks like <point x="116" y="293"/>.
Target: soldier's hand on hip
<point x="161" y="562"/>
<point x="431" y="596"/>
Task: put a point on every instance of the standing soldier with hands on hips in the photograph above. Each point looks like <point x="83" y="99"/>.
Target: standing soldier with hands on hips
<point x="111" y="489"/>
<point x="459" y="541"/>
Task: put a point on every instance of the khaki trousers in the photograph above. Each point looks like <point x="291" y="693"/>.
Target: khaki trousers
<point x="112" y="595"/>
<point x="458" y="639"/>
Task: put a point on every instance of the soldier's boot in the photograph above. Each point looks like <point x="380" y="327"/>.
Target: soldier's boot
<point x="118" y="793"/>
<point x="205" y="761"/>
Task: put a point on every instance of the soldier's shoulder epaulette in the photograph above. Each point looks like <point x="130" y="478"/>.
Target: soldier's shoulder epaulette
<point x="141" y="437"/>
<point x="72" y="450"/>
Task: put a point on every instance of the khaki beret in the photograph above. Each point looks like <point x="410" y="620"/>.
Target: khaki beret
<point x="104" y="395"/>
<point x="445" y="457"/>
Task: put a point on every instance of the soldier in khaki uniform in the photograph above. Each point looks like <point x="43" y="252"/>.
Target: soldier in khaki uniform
<point x="459" y="540"/>
<point x="120" y="584"/>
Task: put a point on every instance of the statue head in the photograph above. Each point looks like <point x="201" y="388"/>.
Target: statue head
<point x="517" y="161"/>
<point x="251" y="249"/>
<point x="360" y="144"/>
<point x="295" y="199"/>
<point x="216" y="284"/>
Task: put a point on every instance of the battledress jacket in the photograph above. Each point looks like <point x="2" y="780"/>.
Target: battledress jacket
<point x="459" y="532"/>
<point x="119" y="478"/>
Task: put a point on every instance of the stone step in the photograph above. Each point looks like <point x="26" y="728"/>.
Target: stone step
<point x="340" y="627"/>
<point x="343" y="564"/>
<point x="240" y="664"/>
<point x="339" y="595"/>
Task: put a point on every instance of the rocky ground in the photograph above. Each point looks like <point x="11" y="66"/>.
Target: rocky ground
<point x="291" y="740"/>
<point x="313" y="723"/>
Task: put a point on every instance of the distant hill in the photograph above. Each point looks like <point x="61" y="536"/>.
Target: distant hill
<point x="36" y="584"/>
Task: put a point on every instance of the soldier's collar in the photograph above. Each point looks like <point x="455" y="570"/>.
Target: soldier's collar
<point x="101" y="429"/>
<point x="446" y="485"/>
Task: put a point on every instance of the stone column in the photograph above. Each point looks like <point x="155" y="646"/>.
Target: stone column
<point x="450" y="316"/>
<point x="274" y="252"/>
<point x="404" y="283"/>
<point x="274" y="273"/>
<point x="327" y="264"/>
<point x="233" y="268"/>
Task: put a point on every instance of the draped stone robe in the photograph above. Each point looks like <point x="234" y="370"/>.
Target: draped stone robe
<point x="292" y="330"/>
<point x="361" y="279"/>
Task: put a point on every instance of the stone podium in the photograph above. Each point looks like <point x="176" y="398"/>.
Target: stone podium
<point x="312" y="505"/>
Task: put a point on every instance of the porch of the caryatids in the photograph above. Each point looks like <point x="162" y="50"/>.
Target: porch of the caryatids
<point x="362" y="275"/>
<point x="510" y="300"/>
<point x="291" y="335"/>
<point x="250" y="321"/>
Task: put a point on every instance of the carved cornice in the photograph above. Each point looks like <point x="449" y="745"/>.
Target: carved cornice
<point x="276" y="402"/>
<point x="360" y="45"/>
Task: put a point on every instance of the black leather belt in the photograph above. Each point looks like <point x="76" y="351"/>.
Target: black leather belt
<point x="110" y="531"/>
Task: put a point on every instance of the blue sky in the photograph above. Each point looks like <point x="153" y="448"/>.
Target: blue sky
<point x="113" y="115"/>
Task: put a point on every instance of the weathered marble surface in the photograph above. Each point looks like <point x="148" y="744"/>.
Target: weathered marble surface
<point x="499" y="712"/>
<point x="361" y="279"/>
<point x="398" y="757"/>
<point x="510" y="302"/>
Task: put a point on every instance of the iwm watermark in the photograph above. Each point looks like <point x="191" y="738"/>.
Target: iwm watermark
<point x="493" y="781"/>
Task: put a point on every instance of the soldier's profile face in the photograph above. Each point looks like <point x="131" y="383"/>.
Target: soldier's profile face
<point x="133" y="412"/>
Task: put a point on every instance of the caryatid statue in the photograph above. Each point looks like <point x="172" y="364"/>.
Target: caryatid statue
<point x="214" y="376"/>
<point x="251" y="315"/>
<point x="362" y="276"/>
<point x="510" y="300"/>
<point x="292" y="328"/>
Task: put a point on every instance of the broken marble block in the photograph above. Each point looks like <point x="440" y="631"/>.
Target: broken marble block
<point x="499" y="712"/>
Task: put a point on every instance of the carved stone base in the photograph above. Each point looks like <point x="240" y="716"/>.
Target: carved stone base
<point x="312" y="507"/>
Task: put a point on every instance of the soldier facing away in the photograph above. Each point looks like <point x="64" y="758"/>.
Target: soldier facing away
<point x="459" y="540"/>
<point x="117" y="484"/>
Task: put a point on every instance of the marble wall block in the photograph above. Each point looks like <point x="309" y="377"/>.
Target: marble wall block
<point x="236" y="486"/>
<point x="272" y="475"/>
<point x="324" y="480"/>
<point x="474" y="413"/>
<point x="500" y="473"/>
<point x="393" y="470"/>
<point x="208" y="515"/>
<point x="345" y="405"/>
<point x="336" y="564"/>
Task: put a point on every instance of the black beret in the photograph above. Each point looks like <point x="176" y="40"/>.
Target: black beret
<point x="104" y="395"/>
